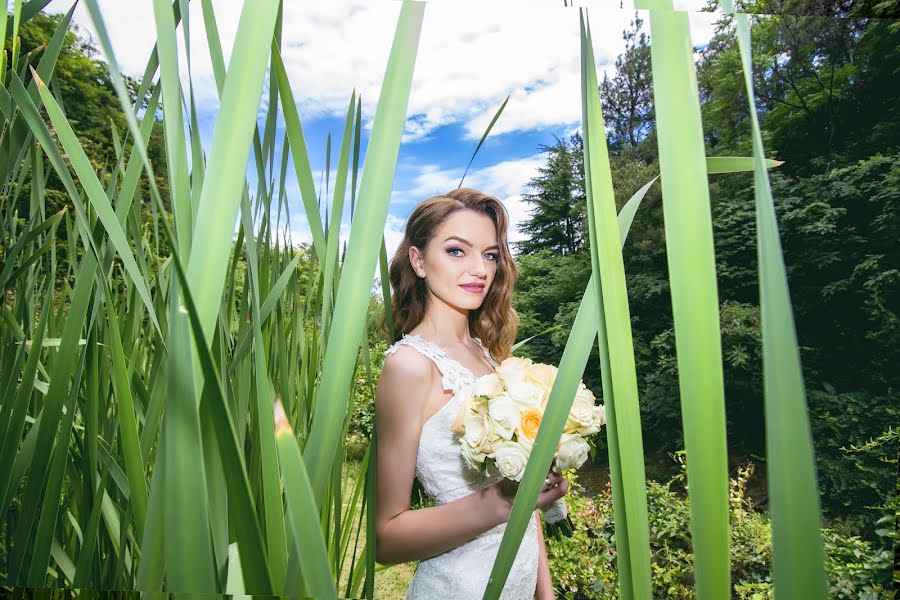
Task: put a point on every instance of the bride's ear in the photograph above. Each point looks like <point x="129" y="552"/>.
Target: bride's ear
<point x="415" y="260"/>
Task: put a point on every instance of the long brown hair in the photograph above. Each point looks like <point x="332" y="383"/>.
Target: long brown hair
<point x="495" y="321"/>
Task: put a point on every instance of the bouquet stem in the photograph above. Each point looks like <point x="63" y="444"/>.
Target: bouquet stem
<point x="557" y="520"/>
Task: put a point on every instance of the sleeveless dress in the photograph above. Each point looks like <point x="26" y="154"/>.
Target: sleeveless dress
<point x="462" y="572"/>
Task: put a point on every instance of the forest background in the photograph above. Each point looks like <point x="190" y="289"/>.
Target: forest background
<point x="828" y="105"/>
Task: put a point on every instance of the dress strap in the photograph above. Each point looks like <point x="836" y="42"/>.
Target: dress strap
<point x="453" y="374"/>
<point x="487" y="353"/>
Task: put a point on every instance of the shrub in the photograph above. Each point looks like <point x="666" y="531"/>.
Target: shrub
<point x="584" y="566"/>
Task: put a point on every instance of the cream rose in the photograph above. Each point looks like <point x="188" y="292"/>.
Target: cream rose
<point x="492" y="445"/>
<point x="505" y="414"/>
<point x="511" y="459"/>
<point x="572" y="451"/>
<point x="512" y="370"/>
<point x="488" y="385"/>
<point x="541" y="375"/>
<point x="467" y="407"/>
<point x="525" y="394"/>
<point x="479" y="428"/>
<point x="599" y="416"/>
<point x="471" y="456"/>
<point x="581" y="416"/>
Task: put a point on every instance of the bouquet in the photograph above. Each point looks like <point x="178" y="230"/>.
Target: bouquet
<point x="499" y="418"/>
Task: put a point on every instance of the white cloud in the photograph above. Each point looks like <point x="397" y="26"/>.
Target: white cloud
<point x="470" y="57"/>
<point x="505" y="180"/>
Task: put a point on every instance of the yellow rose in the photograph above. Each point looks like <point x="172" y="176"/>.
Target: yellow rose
<point x="531" y="420"/>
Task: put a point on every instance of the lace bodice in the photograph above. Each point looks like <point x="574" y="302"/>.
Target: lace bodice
<point x="462" y="572"/>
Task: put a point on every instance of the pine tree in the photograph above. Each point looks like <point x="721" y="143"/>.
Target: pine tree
<point x="628" y="97"/>
<point x="557" y="220"/>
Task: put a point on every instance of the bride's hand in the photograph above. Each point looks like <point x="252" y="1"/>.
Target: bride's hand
<point x="505" y="491"/>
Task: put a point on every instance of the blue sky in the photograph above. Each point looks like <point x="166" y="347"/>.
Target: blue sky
<point x="470" y="57"/>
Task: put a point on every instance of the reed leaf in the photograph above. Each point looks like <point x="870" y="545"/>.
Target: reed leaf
<point x="798" y="553"/>
<point x="584" y="332"/>
<point x="306" y="534"/>
<point x="695" y="305"/>
<point x="365" y="238"/>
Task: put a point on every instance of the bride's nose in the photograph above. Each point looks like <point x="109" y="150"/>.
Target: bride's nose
<point x="477" y="267"/>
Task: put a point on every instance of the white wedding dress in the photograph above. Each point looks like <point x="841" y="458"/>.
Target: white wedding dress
<point x="462" y="572"/>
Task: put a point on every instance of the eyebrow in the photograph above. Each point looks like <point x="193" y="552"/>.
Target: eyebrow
<point x="467" y="242"/>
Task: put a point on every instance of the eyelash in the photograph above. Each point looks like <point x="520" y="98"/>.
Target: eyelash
<point x="494" y="254"/>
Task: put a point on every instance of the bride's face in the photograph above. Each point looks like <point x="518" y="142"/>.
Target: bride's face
<point x="460" y="260"/>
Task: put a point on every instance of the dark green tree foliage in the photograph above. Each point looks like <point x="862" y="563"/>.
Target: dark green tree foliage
<point x="628" y="95"/>
<point x="557" y="221"/>
<point x="826" y="92"/>
<point x="91" y="106"/>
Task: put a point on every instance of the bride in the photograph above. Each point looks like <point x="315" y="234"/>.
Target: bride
<point x="452" y="280"/>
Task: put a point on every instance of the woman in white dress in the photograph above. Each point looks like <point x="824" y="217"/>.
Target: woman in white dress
<point x="452" y="278"/>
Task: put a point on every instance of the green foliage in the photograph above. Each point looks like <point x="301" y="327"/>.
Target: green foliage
<point x="89" y="100"/>
<point x="856" y="484"/>
<point x="628" y="96"/>
<point x="558" y="221"/>
<point x="584" y="565"/>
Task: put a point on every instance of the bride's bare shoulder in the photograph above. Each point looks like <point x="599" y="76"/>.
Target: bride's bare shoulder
<point x="405" y="368"/>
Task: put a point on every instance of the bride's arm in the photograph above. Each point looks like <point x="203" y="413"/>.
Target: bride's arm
<point x="402" y="534"/>
<point x="544" y="589"/>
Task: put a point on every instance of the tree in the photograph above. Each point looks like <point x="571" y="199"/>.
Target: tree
<point x="558" y="220"/>
<point x="90" y="103"/>
<point x="628" y="97"/>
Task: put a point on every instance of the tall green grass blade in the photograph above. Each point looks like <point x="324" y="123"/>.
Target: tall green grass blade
<point x="173" y="122"/>
<point x="265" y="428"/>
<point x="585" y="330"/>
<point x="356" y="278"/>
<point x="334" y="229"/>
<point x="798" y="553"/>
<point x="301" y="507"/>
<point x="233" y="132"/>
<point x="483" y="137"/>
<point x="736" y="164"/>
<point x="97" y="196"/>
<point x="128" y="427"/>
<point x="254" y="562"/>
<point x="299" y="154"/>
<point x="695" y="305"/>
<point x="86" y="552"/>
<point x="43" y="539"/>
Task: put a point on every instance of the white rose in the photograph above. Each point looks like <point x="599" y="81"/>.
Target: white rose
<point x="468" y="405"/>
<point x="511" y="459"/>
<point x="471" y="456"/>
<point x="581" y="416"/>
<point x="492" y="445"/>
<point x="488" y="385"/>
<point x="479" y="428"/>
<point x="584" y="393"/>
<point x="525" y="394"/>
<point x="599" y="413"/>
<point x="505" y="414"/>
<point x="572" y="451"/>
<point x="512" y="370"/>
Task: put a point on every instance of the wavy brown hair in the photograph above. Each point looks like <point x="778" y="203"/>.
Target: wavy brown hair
<point x="495" y="321"/>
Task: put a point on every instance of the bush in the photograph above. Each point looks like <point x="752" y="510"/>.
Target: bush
<point x="584" y="566"/>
